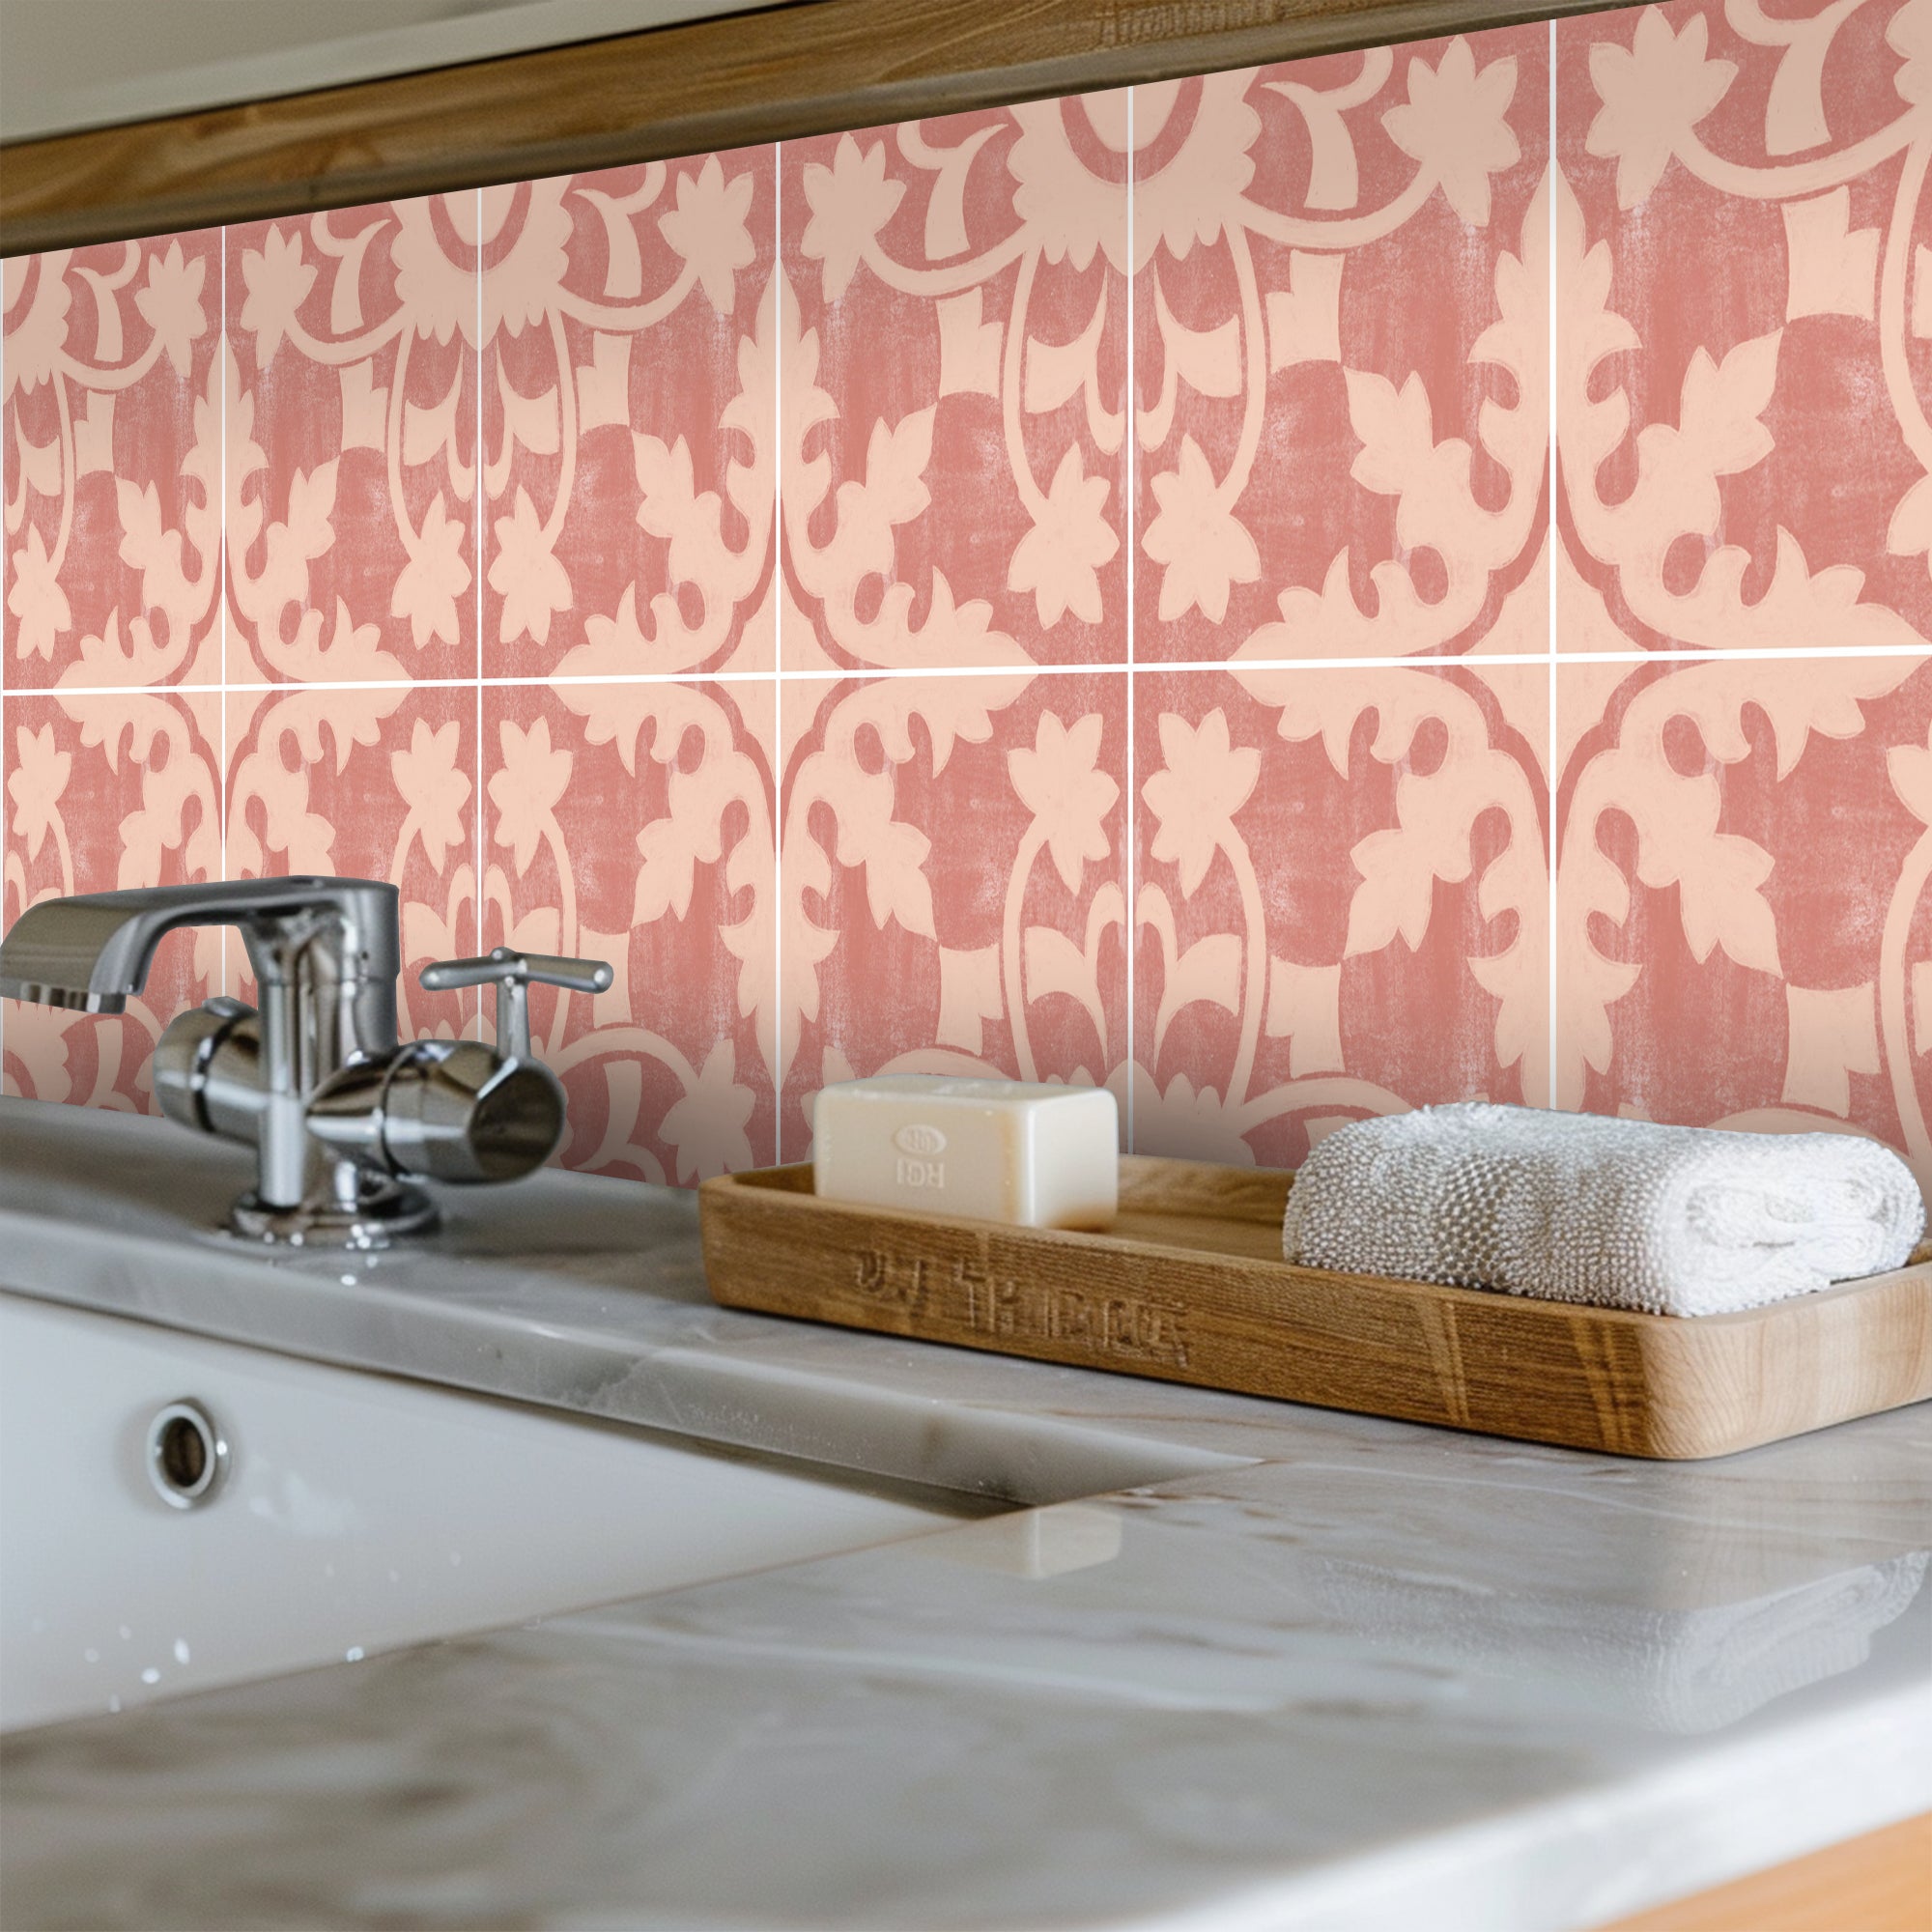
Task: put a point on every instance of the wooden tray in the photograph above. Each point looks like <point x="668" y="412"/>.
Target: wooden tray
<point x="1190" y="1286"/>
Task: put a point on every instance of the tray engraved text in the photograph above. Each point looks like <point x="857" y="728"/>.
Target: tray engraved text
<point x="1134" y="1327"/>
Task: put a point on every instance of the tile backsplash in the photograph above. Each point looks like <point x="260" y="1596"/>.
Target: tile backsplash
<point x="1079" y="590"/>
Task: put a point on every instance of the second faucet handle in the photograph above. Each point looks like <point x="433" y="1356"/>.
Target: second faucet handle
<point x="513" y="974"/>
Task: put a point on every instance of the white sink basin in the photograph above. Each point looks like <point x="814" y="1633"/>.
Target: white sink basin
<point x="357" y="1513"/>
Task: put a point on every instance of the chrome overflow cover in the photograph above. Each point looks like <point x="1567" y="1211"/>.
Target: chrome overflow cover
<point x="188" y="1455"/>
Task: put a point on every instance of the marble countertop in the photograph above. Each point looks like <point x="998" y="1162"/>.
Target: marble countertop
<point x="1236" y="1664"/>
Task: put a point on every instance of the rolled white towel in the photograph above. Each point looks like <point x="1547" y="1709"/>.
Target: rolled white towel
<point x="1617" y="1214"/>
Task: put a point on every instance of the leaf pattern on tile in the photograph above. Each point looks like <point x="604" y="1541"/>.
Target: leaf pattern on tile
<point x="111" y="419"/>
<point x="629" y="412"/>
<point x="1744" y="930"/>
<point x="1746" y="454"/>
<point x="1325" y="855"/>
<point x="952" y="346"/>
<point x="1329" y="469"/>
<point x="350" y="385"/>
<point x="633" y="822"/>
<point x="953" y="880"/>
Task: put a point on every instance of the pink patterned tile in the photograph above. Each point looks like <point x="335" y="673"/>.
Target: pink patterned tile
<point x="375" y="783"/>
<point x="1341" y="357"/>
<point x="105" y="792"/>
<point x="629" y="419"/>
<point x="953" y="879"/>
<point x="112" y="438"/>
<point x="1744" y="920"/>
<point x="632" y="823"/>
<point x="954" y="376"/>
<point x="1744" y="335"/>
<point x="1341" y="904"/>
<point x="352" y="434"/>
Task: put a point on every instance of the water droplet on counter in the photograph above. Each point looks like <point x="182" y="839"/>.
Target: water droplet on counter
<point x="349" y="1281"/>
<point x="127" y="1635"/>
<point x="181" y="1650"/>
<point x="151" y="1675"/>
<point x="352" y="1655"/>
<point x="456" y="1559"/>
<point x="113" y="1704"/>
<point x="92" y="1656"/>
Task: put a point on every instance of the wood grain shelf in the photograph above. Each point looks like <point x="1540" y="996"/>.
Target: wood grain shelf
<point x="733" y="81"/>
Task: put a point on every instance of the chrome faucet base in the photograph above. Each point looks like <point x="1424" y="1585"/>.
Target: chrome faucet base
<point x="385" y="1211"/>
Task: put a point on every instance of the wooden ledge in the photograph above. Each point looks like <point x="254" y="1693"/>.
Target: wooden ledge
<point x="775" y="74"/>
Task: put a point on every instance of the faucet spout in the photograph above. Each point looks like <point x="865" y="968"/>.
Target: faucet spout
<point x="92" y="951"/>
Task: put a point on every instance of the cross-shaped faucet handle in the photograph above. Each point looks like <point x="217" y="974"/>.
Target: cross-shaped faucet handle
<point x="513" y="974"/>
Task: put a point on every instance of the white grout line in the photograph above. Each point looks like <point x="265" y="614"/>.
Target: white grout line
<point x="1133" y="444"/>
<point x="778" y="650"/>
<point x="876" y="673"/>
<point x="1552" y="778"/>
<point x="478" y="517"/>
<point x="221" y="589"/>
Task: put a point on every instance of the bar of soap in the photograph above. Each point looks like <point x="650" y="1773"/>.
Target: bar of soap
<point x="1034" y="1156"/>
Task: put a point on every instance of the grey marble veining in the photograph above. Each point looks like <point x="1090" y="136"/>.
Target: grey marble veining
<point x="1290" y="1669"/>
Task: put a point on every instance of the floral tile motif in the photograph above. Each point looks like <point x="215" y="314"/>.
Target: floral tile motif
<point x="1744" y="333"/>
<point x="105" y="792"/>
<point x="629" y="417"/>
<point x="634" y="823"/>
<point x="1342" y="900"/>
<point x="375" y="783"/>
<point x="352" y="430"/>
<point x="953" y="879"/>
<point x="953" y="387"/>
<point x="111" y="427"/>
<point x="534" y="433"/>
<point x="1341" y="356"/>
<point x="1744" y="920"/>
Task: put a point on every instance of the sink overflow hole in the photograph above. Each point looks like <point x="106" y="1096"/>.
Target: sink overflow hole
<point x="188" y="1455"/>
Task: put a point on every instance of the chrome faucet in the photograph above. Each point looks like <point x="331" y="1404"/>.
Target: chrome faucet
<point x="345" y="1119"/>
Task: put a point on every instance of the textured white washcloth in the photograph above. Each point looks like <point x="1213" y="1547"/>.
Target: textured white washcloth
<point x="1617" y="1214"/>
